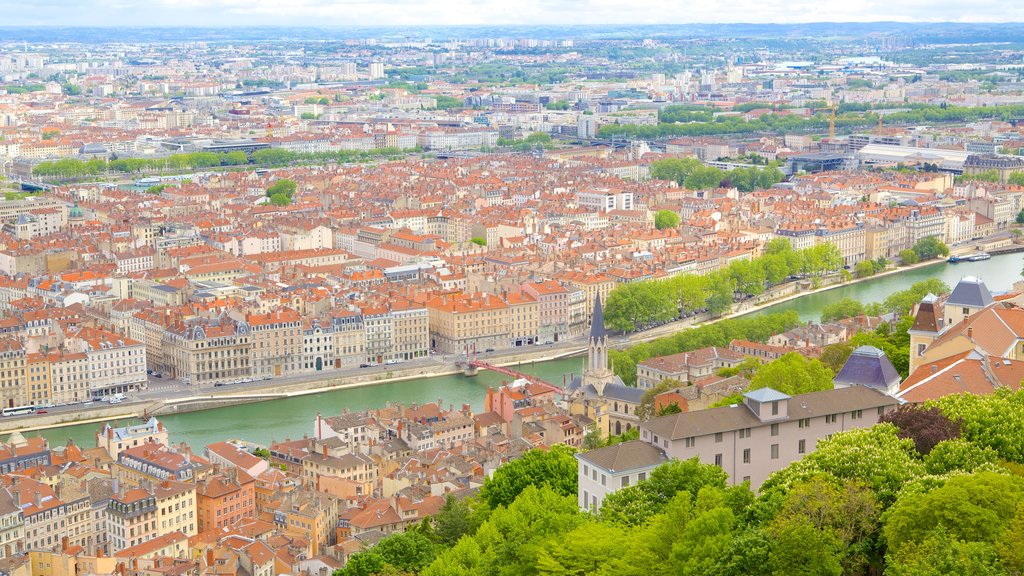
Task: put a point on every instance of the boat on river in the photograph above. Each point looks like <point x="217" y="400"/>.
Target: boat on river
<point x="979" y="257"/>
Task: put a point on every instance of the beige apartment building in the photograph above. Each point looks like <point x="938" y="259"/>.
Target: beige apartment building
<point x="410" y="330"/>
<point x="466" y="321"/>
<point x="277" y="342"/>
<point x="205" y="353"/>
<point x="767" y="432"/>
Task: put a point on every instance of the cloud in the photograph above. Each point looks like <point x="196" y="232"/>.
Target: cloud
<point x="493" y="12"/>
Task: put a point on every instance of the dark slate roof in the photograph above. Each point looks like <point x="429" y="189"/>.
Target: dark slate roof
<point x="928" y="317"/>
<point x="970" y="292"/>
<point x="868" y="366"/>
<point x="597" y="330"/>
<point x="624" y="456"/>
<point x="615" y="389"/>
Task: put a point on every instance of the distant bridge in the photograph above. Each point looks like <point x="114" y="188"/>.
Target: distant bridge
<point x="474" y="365"/>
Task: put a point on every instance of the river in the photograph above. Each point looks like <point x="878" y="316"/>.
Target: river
<point x="291" y="418"/>
<point x="999" y="274"/>
<point x="264" y="422"/>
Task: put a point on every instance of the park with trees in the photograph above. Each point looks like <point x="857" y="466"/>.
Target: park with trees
<point x="637" y="305"/>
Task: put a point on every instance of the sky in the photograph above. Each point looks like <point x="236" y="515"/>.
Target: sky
<point x="492" y="12"/>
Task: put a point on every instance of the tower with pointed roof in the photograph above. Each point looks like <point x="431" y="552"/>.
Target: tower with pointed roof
<point x="597" y="372"/>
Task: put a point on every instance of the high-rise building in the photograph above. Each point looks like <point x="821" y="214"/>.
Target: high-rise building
<point x="376" y="70"/>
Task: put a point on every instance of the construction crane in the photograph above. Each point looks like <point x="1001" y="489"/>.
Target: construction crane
<point x="831" y="121"/>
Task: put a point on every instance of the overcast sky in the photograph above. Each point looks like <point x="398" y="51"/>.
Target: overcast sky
<point x="492" y="12"/>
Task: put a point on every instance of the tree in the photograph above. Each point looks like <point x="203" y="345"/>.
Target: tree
<point x="454" y="520"/>
<point x="995" y="421"/>
<point x="863" y="269"/>
<point x="802" y="549"/>
<point x="926" y="426"/>
<point x="478" y="241"/>
<point x="959" y="455"/>
<point x="409" y="551"/>
<point x="645" y="409"/>
<point x="745" y="368"/>
<point x="635" y="505"/>
<point x="280" y="200"/>
<point x="555" y="468"/>
<point x="664" y="219"/>
<point x="1020" y="215"/>
<point x="835" y="355"/>
<point x="875" y="456"/>
<point x="840" y="309"/>
<point x="941" y="555"/>
<point x="901" y="302"/>
<point x="792" y="374"/>
<point x="669" y="409"/>
<point x="930" y="247"/>
<point x="285" y="186"/>
<point x="909" y="257"/>
<point x="970" y="507"/>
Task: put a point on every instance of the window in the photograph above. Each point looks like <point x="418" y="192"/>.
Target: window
<point x="718" y="460"/>
<point x="625" y="481"/>
<point x="830" y="419"/>
<point x="586" y="497"/>
<point x="641" y="477"/>
<point x="604" y="480"/>
<point x="775" y="408"/>
<point x="691" y="442"/>
<point x="920" y="349"/>
<point x="718" y="437"/>
<point x="746" y="455"/>
<point x="744" y="433"/>
<point x="746" y="478"/>
<point x="775" y="451"/>
<point x="881" y="410"/>
<point x="775" y="429"/>
<point x="586" y="470"/>
<point x="805" y="423"/>
<point x="801" y="447"/>
<point x="856" y="414"/>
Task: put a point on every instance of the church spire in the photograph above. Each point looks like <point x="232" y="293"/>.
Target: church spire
<point x="597" y="331"/>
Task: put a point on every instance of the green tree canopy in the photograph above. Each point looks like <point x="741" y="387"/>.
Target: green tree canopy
<point x="555" y="468"/>
<point x="792" y="374"/>
<point x="664" y="219"/>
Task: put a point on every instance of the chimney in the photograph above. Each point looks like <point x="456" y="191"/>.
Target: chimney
<point x="209" y="556"/>
<point x="323" y="449"/>
<point x="970" y="331"/>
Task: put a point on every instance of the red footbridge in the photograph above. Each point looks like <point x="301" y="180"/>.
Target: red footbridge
<point x="477" y="364"/>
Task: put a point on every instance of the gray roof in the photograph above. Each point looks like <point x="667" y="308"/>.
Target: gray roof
<point x="868" y="366"/>
<point x="624" y="456"/>
<point x="615" y="390"/>
<point x="970" y="292"/>
<point x="766" y="395"/>
<point x="737" y="416"/>
<point x="597" y="330"/>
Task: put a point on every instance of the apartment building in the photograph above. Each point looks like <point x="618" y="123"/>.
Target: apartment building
<point x="767" y="431"/>
<point x="206" y="352"/>
<point x="685" y="366"/>
<point x="276" y="342"/>
<point x="225" y="499"/>
<point x="460" y="322"/>
<point x="131" y="519"/>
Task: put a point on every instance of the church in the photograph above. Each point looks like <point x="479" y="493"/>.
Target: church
<point x="598" y="394"/>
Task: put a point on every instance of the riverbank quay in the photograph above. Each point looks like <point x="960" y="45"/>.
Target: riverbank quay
<point x="427" y="368"/>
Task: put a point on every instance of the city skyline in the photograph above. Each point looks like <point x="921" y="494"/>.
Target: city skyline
<point x="487" y="12"/>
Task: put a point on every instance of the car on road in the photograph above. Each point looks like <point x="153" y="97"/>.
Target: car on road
<point x="218" y="384"/>
<point x="41" y="412"/>
<point x="489" y="350"/>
